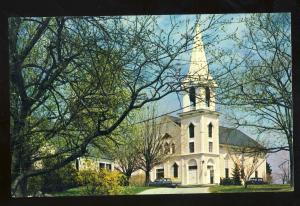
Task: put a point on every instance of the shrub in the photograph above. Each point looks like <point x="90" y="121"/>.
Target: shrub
<point x="227" y="181"/>
<point x="61" y="179"/>
<point x="103" y="182"/>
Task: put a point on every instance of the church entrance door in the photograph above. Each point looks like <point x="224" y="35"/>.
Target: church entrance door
<point x="192" y="172"/>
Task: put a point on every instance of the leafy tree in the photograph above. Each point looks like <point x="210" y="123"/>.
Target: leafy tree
<point x="126" y="153"/>
<point x="73" y="81"/>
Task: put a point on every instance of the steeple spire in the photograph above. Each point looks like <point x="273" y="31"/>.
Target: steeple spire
<point x="198" y="65"/>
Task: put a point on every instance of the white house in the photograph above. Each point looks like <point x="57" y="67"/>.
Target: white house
<point x="195" y="141"/>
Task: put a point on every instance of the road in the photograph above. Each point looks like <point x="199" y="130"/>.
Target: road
<point x="164" y="190"/>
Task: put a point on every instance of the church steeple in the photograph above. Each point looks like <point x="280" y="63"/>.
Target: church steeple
<point x="198" y="69"/>
<point x="198" y="82"/>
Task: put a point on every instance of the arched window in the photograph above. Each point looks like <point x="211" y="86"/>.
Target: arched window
<point x="193" y="96"/>
<point x="161" y="150"/>
<point x="167" y="148"/>
<point x="207" y="96"/>
<point x="175" y="170"/>
<point x="191" y="130"/>
<point x="173" y="148"/>
<point x="210" y="126"/>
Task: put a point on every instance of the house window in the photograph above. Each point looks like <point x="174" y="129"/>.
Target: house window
<point x="173" y="148"/>
<point x="191" y="146"/>
<point x="175" y="170"/>
<point x="102" y="165"/>
<point x="210" y="146"/>
<point x="159" y="173"/>
<point x="77" y="164"/>
<point x="226" y="172"/>
<point x="207" y="96"/>
<point x="256" y="174"/>
<point x="108" y="167"/>
<point x="191" y="130"/>
<point x="210" y="130"/>
<point x="193" y="96"/>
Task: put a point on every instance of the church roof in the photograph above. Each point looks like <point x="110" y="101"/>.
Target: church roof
<point x="175" y="119"/>
<point x="232" y="136"/>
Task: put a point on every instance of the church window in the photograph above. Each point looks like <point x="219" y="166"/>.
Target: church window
<point x="173" y="148"/>
<point x="207" y="96"/>
<point x="193" y="96"/>
<point x="191" y="130"/>
<point x="175" y="170"/>
<point x="159" y="173"/>
<point x="256" y="174"/>
<point x="191" y="147"/>
<point x="210" y="147"/>
<point x="167" y="148"/>
<point x="226" y="172"/>
<point x="210" y="130"/>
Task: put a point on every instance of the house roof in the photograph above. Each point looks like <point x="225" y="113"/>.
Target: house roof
<point x="229" y="136"/>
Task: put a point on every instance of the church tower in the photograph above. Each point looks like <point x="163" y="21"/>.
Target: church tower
<point x="199" y="84"/>
<point x="199" y="120"/>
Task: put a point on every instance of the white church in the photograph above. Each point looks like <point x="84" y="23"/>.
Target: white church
<point x="195" y="142"/>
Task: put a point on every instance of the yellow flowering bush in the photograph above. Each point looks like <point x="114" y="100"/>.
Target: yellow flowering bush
<point x="100" y="182"/>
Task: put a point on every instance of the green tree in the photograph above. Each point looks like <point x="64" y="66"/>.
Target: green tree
<point x="236" y="174"/>
<point x="268" y="172"/>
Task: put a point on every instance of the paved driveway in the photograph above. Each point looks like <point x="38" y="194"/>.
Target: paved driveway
<point x="163" y="190"/>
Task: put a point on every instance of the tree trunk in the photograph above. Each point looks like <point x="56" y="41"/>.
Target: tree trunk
<point x="245" y="185"/>
<point x="147" y="177"/>
<point x="127" y="177"/>
<point x="291" y="178"/>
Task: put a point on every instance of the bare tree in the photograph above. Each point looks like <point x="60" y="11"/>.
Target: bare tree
<point x="152" y="144"/>
<point x="259" y="80"/>
<point x="248" y="159"/>
<point x="284" y="175"/>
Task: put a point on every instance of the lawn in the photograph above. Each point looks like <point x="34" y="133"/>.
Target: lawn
<point x="129" y="190"/>
<point x="250" y="188"/>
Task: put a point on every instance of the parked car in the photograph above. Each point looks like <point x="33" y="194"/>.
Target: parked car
<point x="163" y="182"/>
<point x="256" y="181"/>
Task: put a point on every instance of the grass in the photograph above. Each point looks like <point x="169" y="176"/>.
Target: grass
<point x="250" y="188"/>
<point x="132" y="190"/>
<point x="78" y="191"/>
